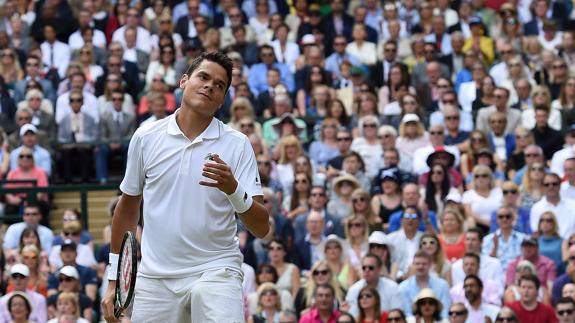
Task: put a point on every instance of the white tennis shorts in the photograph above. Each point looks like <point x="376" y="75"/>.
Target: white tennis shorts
<point x="212" y="296"/>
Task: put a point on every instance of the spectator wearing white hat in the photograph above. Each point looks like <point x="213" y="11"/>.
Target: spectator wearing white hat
<point x="28" y="137"/>
<point x="19" y="274"/>
<point x="381" y="246"/>
<point x="412" y="135"/>
<point x="70" y="282"/>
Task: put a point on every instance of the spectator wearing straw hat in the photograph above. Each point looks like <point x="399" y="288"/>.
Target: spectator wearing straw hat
<point x="427" y="308"/>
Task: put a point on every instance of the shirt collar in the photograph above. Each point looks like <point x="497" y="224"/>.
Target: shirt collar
<point x="211" y="132"/>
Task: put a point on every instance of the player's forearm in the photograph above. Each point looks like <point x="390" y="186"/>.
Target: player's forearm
<point x="125" y="218"/>
<point x="256" y="218"/>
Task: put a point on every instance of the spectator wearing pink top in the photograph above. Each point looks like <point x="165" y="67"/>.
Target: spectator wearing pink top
<point x="546" y="271"/>
<point x="26" y="170"/>
<point x="323" y="311"/>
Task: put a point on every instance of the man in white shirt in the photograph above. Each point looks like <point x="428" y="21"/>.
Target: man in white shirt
<point x="90" y="105"/>
<point x="406" y="239"/>
<point x="489" y="267"/>
<point x="75" y="41"/>
<point x="143" y="41"/>
<point x="195" y="174"/>
<point x="55" y="54"/>
<point x="552" y="201"/>
<point x="568" y="186"/>
<point x="389" y="295"/>
<point x="568" y="152"/>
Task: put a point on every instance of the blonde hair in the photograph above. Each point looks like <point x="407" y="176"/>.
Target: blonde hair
<point x="72" y="297"/>
<point x="438" y="258"/>
<point x="328" y="121"/>
<point x="419" y="133"/>
<point x="555" y="232"/>
<point x="355" y="217"/>
<point x="482" y="168"/>
<point x="244" y="102"/>
<point x="369" y="215"/>
<point x="458" y="216"/>
<point x="74" y="226"/>
<point x="265" y="287"/>
<point x="526" y="182"/>
<point x="290" y="140"/>
<point x="310" y="284"/>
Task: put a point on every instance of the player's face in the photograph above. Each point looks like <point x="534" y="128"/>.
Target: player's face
<point x="204" y="89"/>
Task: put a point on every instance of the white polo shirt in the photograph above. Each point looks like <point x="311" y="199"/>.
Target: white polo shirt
<point x="188" y="228"/>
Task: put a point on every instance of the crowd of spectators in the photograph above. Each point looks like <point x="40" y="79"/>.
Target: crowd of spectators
<point x="417" y="157"/>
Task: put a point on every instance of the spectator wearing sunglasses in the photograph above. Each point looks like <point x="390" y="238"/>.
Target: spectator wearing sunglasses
<point x="565" y="309"/>
<point x="506" y="315"/>
<point x="68" y="253"/>
<point x="457" y="313"/>
<point x="69" y="281"/>
<point x="427" y="308"/>
<point x="19" y="277"/>
<point x="388" y="293"/>
<point x="552" y="201"/>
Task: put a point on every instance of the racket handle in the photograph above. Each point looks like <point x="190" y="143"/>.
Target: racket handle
<point x="118" y="312"/>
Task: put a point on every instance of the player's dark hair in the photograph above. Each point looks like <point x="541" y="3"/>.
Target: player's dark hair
<point x="217" y="57"/>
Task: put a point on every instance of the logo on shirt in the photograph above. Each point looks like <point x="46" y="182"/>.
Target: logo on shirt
<point x="209" y="156"/>
<point x="245" y="197"/>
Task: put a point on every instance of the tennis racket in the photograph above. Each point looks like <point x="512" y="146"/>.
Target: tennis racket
<point x="127" y="269"/>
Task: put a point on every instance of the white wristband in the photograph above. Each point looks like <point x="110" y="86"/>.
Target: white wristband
<point x="113" y="266"/>
<point x="241" y="200"/>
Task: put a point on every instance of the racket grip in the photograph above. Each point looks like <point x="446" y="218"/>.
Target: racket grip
<point x="118" y="312"/>
<point x="113" y="268"/>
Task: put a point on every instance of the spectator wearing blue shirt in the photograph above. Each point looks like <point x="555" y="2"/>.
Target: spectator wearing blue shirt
<point x="410" y="197"/>
<point x="510" y="200"/>
<point x="29" y="139"/>
<point x="550" y="242"/>
<point x="411" y="287"/>
<point x="333" y="61"/>
<point x="257" y="79"/>
<point x="504" y="243"/>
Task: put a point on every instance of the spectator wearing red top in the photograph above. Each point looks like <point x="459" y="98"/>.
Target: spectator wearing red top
<point x="528" y="309"/>
<point x="323" y="311"/>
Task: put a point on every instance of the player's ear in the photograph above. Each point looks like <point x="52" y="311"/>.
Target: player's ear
<point x="183" y="81"/>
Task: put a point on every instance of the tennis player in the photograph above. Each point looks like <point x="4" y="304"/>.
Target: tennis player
<point x="193" y="173"/>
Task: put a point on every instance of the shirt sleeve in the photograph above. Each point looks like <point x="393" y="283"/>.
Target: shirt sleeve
<point x="133" y="182"/>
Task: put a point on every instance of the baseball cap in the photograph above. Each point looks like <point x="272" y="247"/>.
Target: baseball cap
<point x="530" y="241"/>
<point x="410" y="117"/>
<point x="453" y="197"/>
<point x="235" y="55"/>
<point x="28" y="127"/>
<point x="69" y="244"/>
<point x="20" y="269"/>
<point x="308" y="39"/>
<point x="69" y="271"/>
<point x="475" y="20"/>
